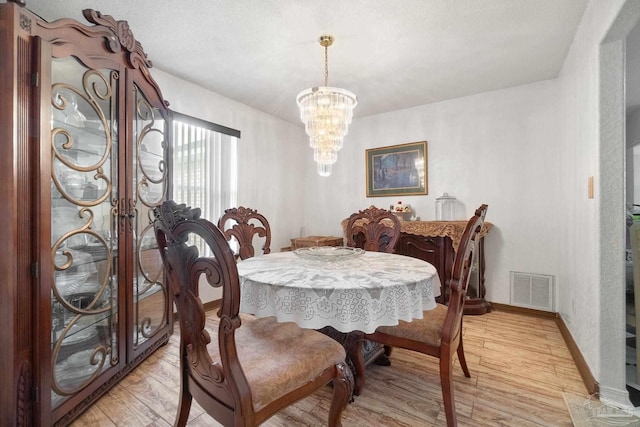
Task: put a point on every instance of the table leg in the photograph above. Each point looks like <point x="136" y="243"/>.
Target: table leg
<point x="353" y="347"/>
<point x="385" y="358"/>
<point x="360" y="353"/>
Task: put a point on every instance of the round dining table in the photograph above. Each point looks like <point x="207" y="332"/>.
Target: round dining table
<point x="360" y="292"/>
<point x="353" y="292"/>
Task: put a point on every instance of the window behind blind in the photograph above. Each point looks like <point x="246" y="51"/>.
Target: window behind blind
<point x="205" y="165"/>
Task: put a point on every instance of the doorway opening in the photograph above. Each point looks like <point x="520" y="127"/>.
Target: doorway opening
<point x="632" y="196"/>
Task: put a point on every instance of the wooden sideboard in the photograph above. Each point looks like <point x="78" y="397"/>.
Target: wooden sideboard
<point x="436" y="242"/>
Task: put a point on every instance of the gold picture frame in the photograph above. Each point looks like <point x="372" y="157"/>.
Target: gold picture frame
<point x="397" y="170"/>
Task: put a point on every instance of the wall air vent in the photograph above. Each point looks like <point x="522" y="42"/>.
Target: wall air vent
<point x="532" y="290"/>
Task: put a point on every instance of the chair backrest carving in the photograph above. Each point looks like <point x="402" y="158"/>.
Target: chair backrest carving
<point x="379" y="227"/>
<point x="246" y="223"/>
<point x="176" y="227"/>
<point x="462" y="266"/>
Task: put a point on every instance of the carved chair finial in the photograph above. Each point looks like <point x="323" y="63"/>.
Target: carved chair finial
<point x="379" y="229"/>
<point x="244" y="229"/>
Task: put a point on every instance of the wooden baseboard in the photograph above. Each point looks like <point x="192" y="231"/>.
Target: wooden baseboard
<point x="523" y="310"/>
<point x="587" y="377"/>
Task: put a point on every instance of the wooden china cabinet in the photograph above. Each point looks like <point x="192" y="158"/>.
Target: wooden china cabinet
<point x="84" y="137"/>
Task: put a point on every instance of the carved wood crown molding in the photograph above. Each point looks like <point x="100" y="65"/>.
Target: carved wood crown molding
<point x="123" y="37"/>
<point x="25" y="23"/>
<point x="118" y="38"/>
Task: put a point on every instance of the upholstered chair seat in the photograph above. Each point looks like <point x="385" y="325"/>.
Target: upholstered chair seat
<point x="272" y="377"/>
<point x="427" y="331"/>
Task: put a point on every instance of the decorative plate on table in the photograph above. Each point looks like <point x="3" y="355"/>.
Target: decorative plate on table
<point x="328" y="253"/>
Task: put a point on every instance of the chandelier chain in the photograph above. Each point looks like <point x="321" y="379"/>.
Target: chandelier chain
<point x="326" y="65"/>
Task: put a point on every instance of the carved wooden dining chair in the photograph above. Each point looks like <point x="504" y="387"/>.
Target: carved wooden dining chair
<point x="245" y="224"/>
<point x="376" y="230"/>
<point x="255" y="366"/>
<point x="373" y="229"/>
<point x="439" y="332"/>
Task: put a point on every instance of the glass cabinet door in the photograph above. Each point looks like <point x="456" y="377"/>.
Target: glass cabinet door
<point x="84" y="232"/>
<point x="150" y="179"/>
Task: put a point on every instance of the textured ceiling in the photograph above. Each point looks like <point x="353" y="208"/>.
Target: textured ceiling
<point x="392" y="54"/>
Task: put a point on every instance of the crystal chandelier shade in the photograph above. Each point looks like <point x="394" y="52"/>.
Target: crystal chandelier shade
<point x="326" y="113"/>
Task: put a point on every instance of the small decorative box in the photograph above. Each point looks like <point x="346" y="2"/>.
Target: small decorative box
<point x="305" y="242"/>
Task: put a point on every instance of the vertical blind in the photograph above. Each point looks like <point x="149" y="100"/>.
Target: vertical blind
<point x="205" y="165"/>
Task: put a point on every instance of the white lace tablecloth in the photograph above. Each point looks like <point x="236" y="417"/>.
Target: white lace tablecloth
<point x="361" y="293"/>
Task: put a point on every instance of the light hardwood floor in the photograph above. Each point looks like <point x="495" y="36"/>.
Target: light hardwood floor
<point x="519" y="364"/>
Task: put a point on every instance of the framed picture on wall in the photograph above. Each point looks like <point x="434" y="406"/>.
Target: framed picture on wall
<point x="397" y="170"/>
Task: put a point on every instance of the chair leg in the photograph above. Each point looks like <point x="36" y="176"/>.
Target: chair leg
<point x="384" y="359"/>
<point x="342" y="390"/>
<point x="185" y="403"/>
<point x="462" y="360"/>
<point x="387" y="350"/>
<point x="446" y="382"/>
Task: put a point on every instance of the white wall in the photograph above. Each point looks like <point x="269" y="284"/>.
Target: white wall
<point x="499" y="148"/>
<point x="271" y="175"/>
<point x="592" y="84"/>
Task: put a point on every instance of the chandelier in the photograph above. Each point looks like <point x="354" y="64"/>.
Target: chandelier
<point x="326" y="112"/>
